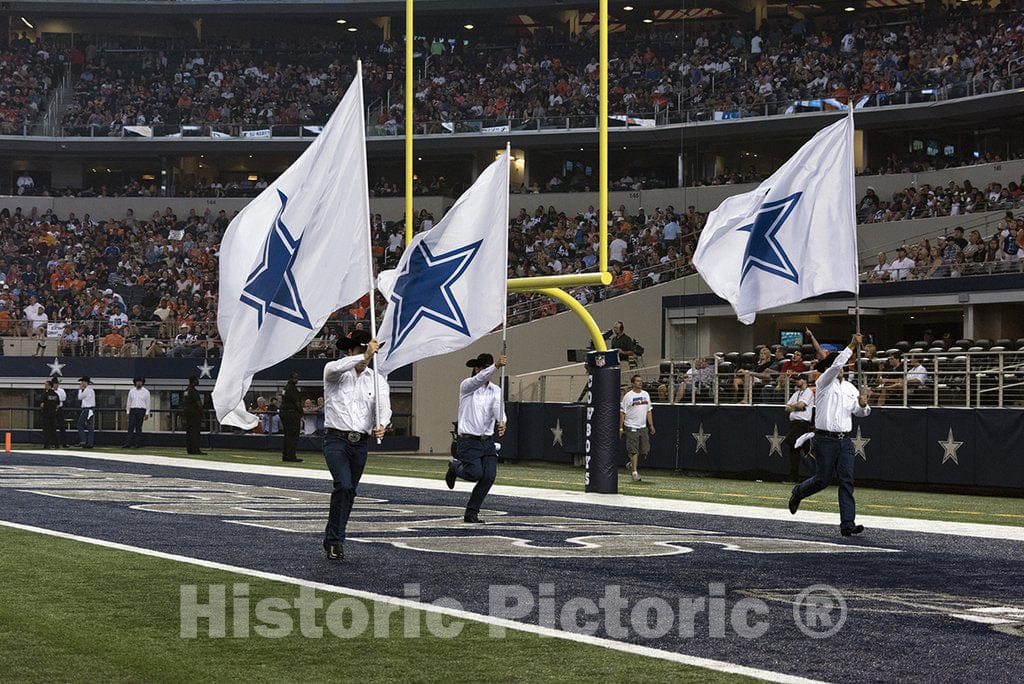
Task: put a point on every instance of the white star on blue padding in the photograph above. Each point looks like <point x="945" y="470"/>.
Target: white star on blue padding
<point x="271" y="287"/>
<point x="763" y="248"/>
<point x="424" y="290"/>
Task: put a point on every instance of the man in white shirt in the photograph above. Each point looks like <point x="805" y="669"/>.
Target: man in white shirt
<point x="834" y="402"/>
<point x="137" y="407"/>
<point x="35" y="316"/>
<point x="917" y="376"/>
<point x="481" y="407"/>
<point x="800" y="408"/>
<point x="62" y="428"/>
<point x="636" y="422"/>
<point x="87" y="415"/>
<point x="357" y="402"/>
<point x="902" y="265"/>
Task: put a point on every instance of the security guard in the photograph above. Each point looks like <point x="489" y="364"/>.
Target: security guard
<point x="49" y="408"/>
<point x="62" y="428"/>
<point x="291" y="419"/>
<point x="480" y="407"/>
<point x="357" y="402"/>
<point x="192" y="407"/>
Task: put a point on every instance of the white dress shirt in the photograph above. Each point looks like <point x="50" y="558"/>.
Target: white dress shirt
<point x="807" y="397"/>
<point x="138" y="399"/>
<point x="349" y="396"/>
<point x="480" y="404"/>
<point x="835" y="399"/>
<point x="62" y="394"/>
<point x="87" y="397"/>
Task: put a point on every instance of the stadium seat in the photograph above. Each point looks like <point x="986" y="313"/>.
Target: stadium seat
<point x="964" y="343"/>
<point x="903" y="345"/>
<point x="807" y="350"/>
<point x="921" y="343"/>
<point x="733" y="358"/>
<point x="917" y="350"/>
<point x="936" y="350"/>
<point x="748" y="359"/>
<point x="1004" y="342"/>
<point x="897" y="351"/>
<point x="984" y="344"/>
<point x="955" y="350"/>
<point x="1020" y="343"/>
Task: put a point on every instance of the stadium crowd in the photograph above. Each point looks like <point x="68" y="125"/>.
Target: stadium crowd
<point x="28" y="72"/>
<point x="713" y="67"/>
<point x="147" y="285"/>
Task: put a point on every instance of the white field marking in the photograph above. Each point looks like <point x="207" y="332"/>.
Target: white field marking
<point x="694" y="661"/>
<point x="960" y="529"/>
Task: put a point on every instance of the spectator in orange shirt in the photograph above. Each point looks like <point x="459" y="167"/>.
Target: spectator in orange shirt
<point x="113" y="344"/>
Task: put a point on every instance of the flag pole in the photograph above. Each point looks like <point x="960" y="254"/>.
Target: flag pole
<point x="369" y="255"/>
<point x="856" y="293"/>
<point x="504" y="299"/>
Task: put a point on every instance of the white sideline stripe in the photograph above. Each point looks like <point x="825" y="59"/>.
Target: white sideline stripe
<point x="706" y="663"/>
<point x="960" y="529"/>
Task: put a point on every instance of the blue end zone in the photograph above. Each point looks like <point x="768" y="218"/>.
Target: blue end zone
<point x="907" y="593"/>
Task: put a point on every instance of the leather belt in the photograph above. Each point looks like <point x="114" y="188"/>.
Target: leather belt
<point x="833" y="435"/>
<point x="480" y="438"/>
<point x="354" y="437"/>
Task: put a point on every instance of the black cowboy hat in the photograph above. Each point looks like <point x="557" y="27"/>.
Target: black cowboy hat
<point x="358" y="338"/>
<point x="85" y="378"/>
<point x="482" y="361"/>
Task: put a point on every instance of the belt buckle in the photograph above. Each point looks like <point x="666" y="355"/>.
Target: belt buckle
<point x="355" y="437"/>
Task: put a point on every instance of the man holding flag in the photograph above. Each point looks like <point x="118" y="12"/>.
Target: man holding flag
<point x="275" y="293"/>
<point x="449" y="289"/>
<point x="481" y="407"/>
<point x="795" y="237"/>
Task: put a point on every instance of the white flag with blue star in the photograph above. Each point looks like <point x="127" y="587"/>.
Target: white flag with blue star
<point x="292" y="256"/>
<point x="793" y="237"/>
<point x="449" y="287"/>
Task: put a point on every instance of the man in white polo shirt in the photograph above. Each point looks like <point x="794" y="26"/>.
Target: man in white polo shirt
<point x="636" y="422"/>
<point x="800" y="408"/>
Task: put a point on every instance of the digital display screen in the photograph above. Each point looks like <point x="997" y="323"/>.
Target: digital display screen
<point x="791" y="338"/>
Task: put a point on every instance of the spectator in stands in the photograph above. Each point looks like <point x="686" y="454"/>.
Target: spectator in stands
<point x="759" y="375"/>
<point x="880" y="273"/>
<point x="902" y="266"/>
<point x="698" y="379"/>
<point x="890" y="379"/>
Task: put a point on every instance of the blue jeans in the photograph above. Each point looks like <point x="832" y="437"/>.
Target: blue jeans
<point x="86" y="426"/>
<point x="346" y="461"/>
<point x="477" y="462"/>
<point x="834" y="456"/>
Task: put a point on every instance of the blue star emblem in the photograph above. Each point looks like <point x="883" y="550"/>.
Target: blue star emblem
<point x="763" y="248"/>
<point x="424" y="290"/>
<point x="271" y="288"/>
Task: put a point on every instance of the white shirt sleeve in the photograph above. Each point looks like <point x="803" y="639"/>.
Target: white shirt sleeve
<point x="384" y="400"/>
<point x="470" y="385"/>
<point x="334" y="369"/>
<point x="832" y="371"/>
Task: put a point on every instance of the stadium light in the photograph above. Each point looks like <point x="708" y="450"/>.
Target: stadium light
<point x="627" y="8"/>
<point x="352" y="29"/>
<point x="850" y="9"/>
<point x="27" y="23"/>
<point x="648" y="21"/>
<point x="468" y="27"/>
<point x="340" y="21"/>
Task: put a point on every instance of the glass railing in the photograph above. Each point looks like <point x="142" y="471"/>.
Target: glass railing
<point x="674" y="115"/>
<point x="957" y="377"/>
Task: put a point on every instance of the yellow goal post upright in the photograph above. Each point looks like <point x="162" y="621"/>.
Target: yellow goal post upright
<point x="547" y="285"/>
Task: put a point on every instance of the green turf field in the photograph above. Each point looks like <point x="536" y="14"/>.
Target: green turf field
<point x="72" y="611"/>
<point x="663" y="484"/>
